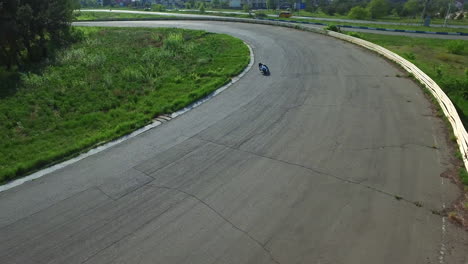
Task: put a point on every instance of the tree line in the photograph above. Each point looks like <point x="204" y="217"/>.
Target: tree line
<point x="30" y="29"/>
<point x="362" y="9"/>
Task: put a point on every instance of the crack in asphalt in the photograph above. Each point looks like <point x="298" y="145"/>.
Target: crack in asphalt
<point x="269" y="127"/>
<point x="222" y="217"/>
<point x="402" y="146"/>
<point x="134" y="231"/>
<point x="359" y="183"/>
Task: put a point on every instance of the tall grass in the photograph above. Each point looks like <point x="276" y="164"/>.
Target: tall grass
<point x="111" y="83"/>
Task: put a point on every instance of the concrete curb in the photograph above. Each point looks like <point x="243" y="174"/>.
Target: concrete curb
<point x="156" y="122"/>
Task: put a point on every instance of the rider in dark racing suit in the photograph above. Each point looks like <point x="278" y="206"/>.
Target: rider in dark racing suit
<point x="262" y="67"/>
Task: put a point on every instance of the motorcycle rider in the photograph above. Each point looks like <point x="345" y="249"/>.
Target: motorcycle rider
<point x="262" y="67"/>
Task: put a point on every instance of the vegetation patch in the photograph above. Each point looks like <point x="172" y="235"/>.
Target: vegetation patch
<point x="84" y="16"/>
<point x="113" y="81"/>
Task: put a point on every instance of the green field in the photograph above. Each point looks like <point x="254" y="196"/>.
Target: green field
<point x="317" y="14"/>
<point x="111" y="83"/>
<point x="383" y="19"/>
<point x="83" y="16"/>
<point x="404" y="27"/>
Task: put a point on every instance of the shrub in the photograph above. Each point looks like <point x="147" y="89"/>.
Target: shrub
<point x="455" y="86"/>
<point x="333" y="28"/>
<point x="464" y="176"/>
<point x="94" y="60"/>
<point x="456" y="47"/>
<point x="202" y="8"/>
<point x="246" y="8"/>
<point x="378" y="8"/>
<point x="260" y="14"/>
<point x="359" y="12"/>
<point x="158" y="7"/>
<point x="409" y="55"/>
<point x="132" y="75"/>
<point x="174" y="42"/>
<point x="355" y="34"/>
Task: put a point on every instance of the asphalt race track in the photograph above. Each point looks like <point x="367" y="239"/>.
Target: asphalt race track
<point x="331" y="159"/>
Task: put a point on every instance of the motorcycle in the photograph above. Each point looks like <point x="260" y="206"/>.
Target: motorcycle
<point x="264" y="69"/>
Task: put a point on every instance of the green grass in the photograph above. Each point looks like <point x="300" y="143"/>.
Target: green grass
<point x="305" y="13"/>
<point x="383" y="19"/>
<point x="84" y="16"/>
<point x="114" y="81"/>
<point x="404" y="27"/>
<point x="464" y="179"/>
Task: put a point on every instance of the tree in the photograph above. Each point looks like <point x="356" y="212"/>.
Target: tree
<point x="202" y="8"/>
<point x="412" y="8"/>
<point x="326" y="7"/>
<point x="158" y="7"/>
<point x="192" y="3"/>
<point x="224" y="4"/>
<point x="89" y="3"/>
<point x="216" y="3"/>
<point x="246" y="7"/>
<point x="378" y="8"/>
<point x="271" y="4"/>
<point x="30" y="28"/>
<point x="311" y="6"/>
<point x="359" y="12"/>
<point x="10" y="43"/>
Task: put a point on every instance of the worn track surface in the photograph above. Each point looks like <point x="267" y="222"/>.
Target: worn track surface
<point x="303" y="166"/>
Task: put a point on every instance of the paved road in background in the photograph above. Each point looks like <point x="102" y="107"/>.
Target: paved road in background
<point x="336" y="19"/>
<point x="314" y="26"/>
<point x="303" y="166"/>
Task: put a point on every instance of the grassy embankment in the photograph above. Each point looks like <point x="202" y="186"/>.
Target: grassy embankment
<point x="318" y="14"/>
<point x="124" y="16"/>
<point x="112" y="82"/>
<point x="83" y="16"/>
<point x="445" y="61"/>
<point x="382" y="19"/>
<point x="403" y="27"/>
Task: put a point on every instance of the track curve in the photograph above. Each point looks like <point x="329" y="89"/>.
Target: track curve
<point x="303" y="166"/>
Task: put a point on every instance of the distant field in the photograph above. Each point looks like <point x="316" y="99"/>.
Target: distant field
<point x="383" y="19"/>
<point x="125" y="16"/>
<point x="111" y="83"/>
<point x="83" y="16"/>
<point x="404" y="27"/>
<point x="318" y="15"/>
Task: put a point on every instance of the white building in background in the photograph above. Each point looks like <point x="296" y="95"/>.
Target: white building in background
<point x="235" y="3"/>
<point x="253" y="3"/>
